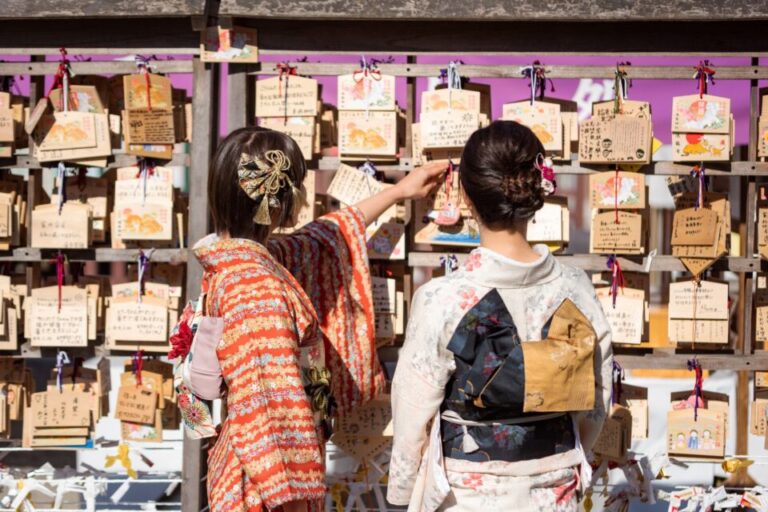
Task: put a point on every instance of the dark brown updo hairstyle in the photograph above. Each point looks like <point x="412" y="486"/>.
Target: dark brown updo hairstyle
<point x="231" y="208"/>
<point x="499" y="175"/>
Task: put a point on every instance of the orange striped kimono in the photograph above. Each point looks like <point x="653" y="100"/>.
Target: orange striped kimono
<point x="305" y="301"/>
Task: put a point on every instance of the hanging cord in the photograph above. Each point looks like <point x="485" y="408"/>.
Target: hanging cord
<point x="621" y="85"/>
<point x="61" y="359"/>
<point x="143" y="263"/>
<point x="696" y="286"/>
<point x="138" y="364"/>
<point x="61" y="177"/>
<point x="61" y="80"/>
<point x="285" y="70"/>
<point x="143" y="67"/>
<point x="449" y="262"/>
<point x="536" y="74"/>
<point x="695" y="366"/>
<point x="10" y="83"/>
<point x="698" y="172"/>
<point x="146" y="170"/>
<point x="59" y="277"/>
<point x="616" y="188"/>
<point x="704" y="75"/>
<point x="617" y="278"/>
<point x="367" y="73"/>
<point x="617" y="377"/>
<point x="452" y="78"/>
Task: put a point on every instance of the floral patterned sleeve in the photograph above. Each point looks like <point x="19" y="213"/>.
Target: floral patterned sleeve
<point x="417" y="392"/>
<point x="329" y="259"/>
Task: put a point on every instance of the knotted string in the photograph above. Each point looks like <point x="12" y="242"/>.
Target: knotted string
<point x="10" y="84"/>
<point x="369" y="170"/>
<point x="61" y="177"/>
<point x="696" y="286"/>
<point x="616" y="180"/>
<point x="693" y="364"/>
<point x="138" y="364"/>
<point x="143" y="262"/>
<point x="59" y="277"/>
<point x="621" y="85"/>
<point x="536" y="74"/>
<point x="61" y="80"/>
<point x="61" y="359"/>
<point x="704" y="76"/>
<point x="449" y="262"/>
<point x="452" y="78"/>
<point x="368" y="71"/>
<point x="146" y="170"/>
<point x="142" y="65"/>
<point x="617" y="278"/>
<point x="285" y="70"/>
<point x="617" y="377"/>
<point x="698" y="172"/>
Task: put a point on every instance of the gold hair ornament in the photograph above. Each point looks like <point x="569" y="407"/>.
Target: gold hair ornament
<point x="264" y="177"/>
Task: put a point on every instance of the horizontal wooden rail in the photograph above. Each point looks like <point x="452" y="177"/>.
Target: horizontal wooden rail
<point x="513" y="71"/>
<point x="121" y="160"/>
<point x="664" y="168"/>
<point x="102" y="254"/>
<point x="93" y="68"/>
<point x="667" y="359"/>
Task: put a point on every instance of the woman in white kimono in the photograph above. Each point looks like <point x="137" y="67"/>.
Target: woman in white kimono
<point x="509" y="424"/>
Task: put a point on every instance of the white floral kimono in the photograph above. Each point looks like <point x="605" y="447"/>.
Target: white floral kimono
<point x="419" y="474"/>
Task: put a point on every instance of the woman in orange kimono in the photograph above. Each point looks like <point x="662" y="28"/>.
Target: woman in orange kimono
<point x="298" y="321"/>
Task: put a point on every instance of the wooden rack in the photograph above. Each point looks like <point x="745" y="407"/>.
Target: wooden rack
<point x="163" y="28"/>
<point x="399" y="27"/>
<point x="740" y="357"/>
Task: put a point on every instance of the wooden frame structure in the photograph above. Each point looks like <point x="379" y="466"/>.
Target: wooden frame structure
<point x="400" y="27"/>
<point x="297" y="27"/>
<point x="152" y="27"/>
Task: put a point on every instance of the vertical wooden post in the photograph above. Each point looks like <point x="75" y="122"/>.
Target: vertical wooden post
<point x="204" y="132"/>
<point x="240" y="97"/>
<point x="34" y="178"/>
<point x="742" y="478"/>
<point x="410" y="106"/>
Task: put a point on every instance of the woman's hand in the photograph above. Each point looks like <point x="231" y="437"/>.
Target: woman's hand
<point x="418" y="183"/>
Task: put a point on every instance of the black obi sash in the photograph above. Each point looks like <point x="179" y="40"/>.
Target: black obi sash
<point x="489" y="359"/>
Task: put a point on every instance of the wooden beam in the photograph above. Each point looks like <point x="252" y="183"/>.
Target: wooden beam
<point x="237" y="97"/>
<point x="513" y="71"/>
<point x="192" y="50"/>
<point x="204" y="115"/>
<point x="492" y="35"/>
<point x="15" y="9"/>
<point x="100" y="254"/>
<point x="736" y="169"/>
<point x="497" y="10"/>
<point x="120" y="160"/>
<point x="669" y="360"/>
<point x="93" y="68"/>
<point x="136" y="35"/>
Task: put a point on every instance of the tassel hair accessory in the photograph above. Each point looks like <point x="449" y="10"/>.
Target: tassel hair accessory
<point x="262" y="178"/>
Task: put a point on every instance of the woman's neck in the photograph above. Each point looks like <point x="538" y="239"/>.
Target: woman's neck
<point x="509" y="242"/>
